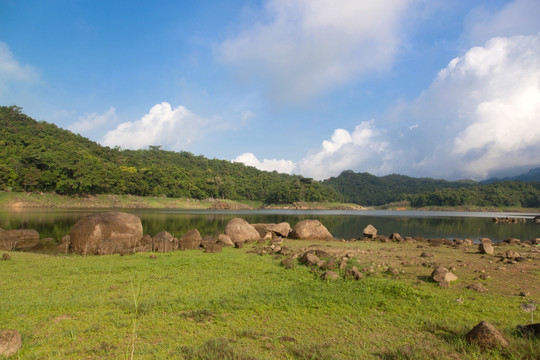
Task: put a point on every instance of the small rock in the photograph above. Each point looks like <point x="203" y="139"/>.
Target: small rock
<point x="392" y="271"/>
<point x="239" y="244"/>
<point x="524" y="293"/>
<point x="520" y="259"/>
<point x="330" y="275"/>
<point x="511" y="254"/>
<point x="486" y="336"/>
<point x="532" y="330"/>
<point x="477" y="287"/>
<point x="354" y="273"/>
<point x="10" y="342"/>
<point x="442" y="274"/>
<point x="485" y="248"/>
<point x="444" y="284"/>
<point x="288" y="263"/>
<point x="427" y="255"/>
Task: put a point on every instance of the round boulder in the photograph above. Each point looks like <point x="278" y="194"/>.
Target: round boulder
<point x="121" y="231"/>
<point x="240" y="230"/>
<point x="311" y="230"/>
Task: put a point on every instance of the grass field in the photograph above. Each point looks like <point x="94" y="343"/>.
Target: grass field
<point x="239" y="305"/>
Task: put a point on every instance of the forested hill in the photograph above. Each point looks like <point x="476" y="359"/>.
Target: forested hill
<point x="367" y="189"/>
<point x="38" y="156"/>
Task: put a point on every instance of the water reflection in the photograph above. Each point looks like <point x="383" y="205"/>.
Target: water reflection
<point x="342" y="224"/>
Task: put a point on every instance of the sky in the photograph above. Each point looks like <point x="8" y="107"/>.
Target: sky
<point x="425" y="88"/>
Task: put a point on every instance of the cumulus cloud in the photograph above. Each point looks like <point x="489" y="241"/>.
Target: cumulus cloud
<point x="281" y="166"/>
<point x="93" y="121"/>
<point x="12" y="70"/>
<point x="306" y="47"/>
<point x="173" y="128"/>
<point x="480" y="115"/>
<point x="363" y="148"/>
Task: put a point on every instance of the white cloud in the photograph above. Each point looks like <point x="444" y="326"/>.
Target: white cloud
<point x="363" y="148"/>
<point x="481" y="114"/>
<point x="519" y="17"/>
<point x="173" y="128"/>
<point x="93" y="120"/>
<point x="12" y="70"/>
<point x="307" y="47"/>
<point x="281" y="166"/>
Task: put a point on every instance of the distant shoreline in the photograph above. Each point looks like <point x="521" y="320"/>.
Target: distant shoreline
<point x="22" y="201"/>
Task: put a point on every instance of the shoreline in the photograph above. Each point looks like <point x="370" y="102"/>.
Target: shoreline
<point x="21" y="201"/>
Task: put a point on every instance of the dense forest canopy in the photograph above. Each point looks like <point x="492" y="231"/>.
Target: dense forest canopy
<point x="38" y="156"/>
<point x="367" y="189"/>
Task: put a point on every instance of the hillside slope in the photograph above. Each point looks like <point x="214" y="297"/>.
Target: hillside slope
<point x="38" y="156"/>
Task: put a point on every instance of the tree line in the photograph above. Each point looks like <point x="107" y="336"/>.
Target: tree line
<point x="38" y="156"/>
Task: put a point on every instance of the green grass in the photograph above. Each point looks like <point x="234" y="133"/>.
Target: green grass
<point x="236" y="305"/>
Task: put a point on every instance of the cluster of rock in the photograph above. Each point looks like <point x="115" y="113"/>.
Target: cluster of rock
<point x="508" y="220"/>
<point x="122" y="233"/>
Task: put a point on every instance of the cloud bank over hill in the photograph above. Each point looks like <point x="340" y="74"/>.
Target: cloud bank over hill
<point x="172" y="128"/>
<point x="480" y="114"/>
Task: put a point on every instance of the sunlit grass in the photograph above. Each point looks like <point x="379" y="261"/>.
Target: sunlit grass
<point x="236" y="305"/>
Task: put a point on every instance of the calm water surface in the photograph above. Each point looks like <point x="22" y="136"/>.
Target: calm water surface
<point x="56" y="223"/>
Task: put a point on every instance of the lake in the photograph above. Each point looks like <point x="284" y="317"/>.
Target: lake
<point x="56" y="223"/>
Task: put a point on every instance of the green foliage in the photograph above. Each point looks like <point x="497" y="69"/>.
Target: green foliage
<point x="503" y="194"/>
<point x="37" y="156"/>
<point x="367" y="189"/>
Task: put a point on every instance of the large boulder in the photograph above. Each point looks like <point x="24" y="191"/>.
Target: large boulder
<point x="370" y="231"/>
<point x="281" y="229"/>
<point x="486" y="336"/>
<point x="119" y="232"/>
<point x="190" y="240"/>
<point x="18" y="239"/>
<point x="239" y="230"/>
<point x="311" y="230"/>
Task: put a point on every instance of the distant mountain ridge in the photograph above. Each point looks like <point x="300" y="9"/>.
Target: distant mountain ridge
<point x="531" y="175"/>
<point x="367" y="189"/>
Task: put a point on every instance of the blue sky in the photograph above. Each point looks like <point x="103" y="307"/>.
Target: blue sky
<point x="445" y="89"/>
